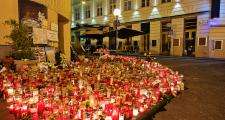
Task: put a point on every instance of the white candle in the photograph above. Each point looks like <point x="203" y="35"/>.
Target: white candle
<point x="135" y="112"/>
<point x="108" y="118"/>
<point x="10" y="91"/>
<point x="9" y="99"/>
<point x="121" y="117"/>
<point x="24" y="107"/>
<point x="99" y="77"/>
<point x="78" y="115"/>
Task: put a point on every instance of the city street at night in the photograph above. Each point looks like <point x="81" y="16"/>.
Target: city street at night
<point x="112" y="60"/>
<point x="204" y="97"/>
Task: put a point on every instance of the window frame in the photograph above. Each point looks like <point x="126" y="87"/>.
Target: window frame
<point x="145" y="3"/>
<point x="99" y="11"/>
<point x="221" y="45"/>
<point x="87" y="12"/>
<point x="112" y="6"/>
<point x="206" y="41"/>
<point x="127" y="5"/>
<point x="77" y="14"/>
<point x="165" y="1"/>
<point x="154" y="45"/>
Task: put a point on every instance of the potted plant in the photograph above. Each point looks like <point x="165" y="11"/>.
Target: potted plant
<point x="22" y="42"/>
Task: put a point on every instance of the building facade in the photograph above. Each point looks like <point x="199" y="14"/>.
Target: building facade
<point x="57" y="14"/>
<point x="172" y="27"/>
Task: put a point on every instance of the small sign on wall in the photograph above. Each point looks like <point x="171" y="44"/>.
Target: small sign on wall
<point x="176" y="42"/>
<point x="39" y="36"/>
<point x="54" y="27"/>
<point x="44" y="24"/>
<point x="202" y="41"/>
<point x="52" y="36"/>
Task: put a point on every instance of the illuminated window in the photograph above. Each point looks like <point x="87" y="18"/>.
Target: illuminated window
<point x="127" y="5"/>
<point x="87" y="12"/>
<point x="145" y="3"/>
<point x="166" y="1"/>
<point x="112" y="4"/>
<point x="99" y="9"/>
<point x="77" y="14"/>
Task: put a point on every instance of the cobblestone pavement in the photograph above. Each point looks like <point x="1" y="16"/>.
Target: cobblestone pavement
<point x="204" y="98"/>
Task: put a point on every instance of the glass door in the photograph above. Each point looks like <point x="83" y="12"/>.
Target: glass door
<point x="166" y="44"/>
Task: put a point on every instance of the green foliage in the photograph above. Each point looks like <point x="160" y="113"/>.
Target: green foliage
<point x="22" y="40"/>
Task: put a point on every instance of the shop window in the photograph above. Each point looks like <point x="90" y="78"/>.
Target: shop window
<point x="127" y="5"/>
<point x="218" y="44"/>
<point x="154" y="43"/>
<point x="186" y="35"/>
<point x="166" y="1"/>
<point x="202" y="41"/>
<point x="145" y="3"/>
<point x="193" y="35"/>
<point x="120" y="46"/>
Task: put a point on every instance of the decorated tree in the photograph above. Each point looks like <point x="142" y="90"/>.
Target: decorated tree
<point x="22" y="40"/>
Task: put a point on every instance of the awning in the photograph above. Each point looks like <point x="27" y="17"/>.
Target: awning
<point x="124" y="33"/>
<point x="92" y="33"/>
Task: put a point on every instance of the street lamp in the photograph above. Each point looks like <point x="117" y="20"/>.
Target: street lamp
<point x="83" y="2"/>
<point x="116" y="13"/>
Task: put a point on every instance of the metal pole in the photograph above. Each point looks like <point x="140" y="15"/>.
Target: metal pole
<point x="116" y="32"/>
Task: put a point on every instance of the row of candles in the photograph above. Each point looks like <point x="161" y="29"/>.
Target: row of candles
<point x="107" y="88"/>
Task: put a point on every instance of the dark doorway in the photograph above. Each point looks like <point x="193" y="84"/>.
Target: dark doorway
<point x="136" y="46"/>
<point x="62" y="21"/>
<point x="190" y="30"/>
<point x="112" y="41"/>
<point x="166" y="37"/>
